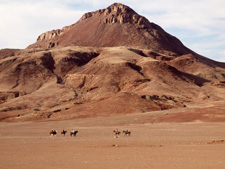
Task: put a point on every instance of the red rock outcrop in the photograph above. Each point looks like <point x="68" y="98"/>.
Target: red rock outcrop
<point x="119" y="13"/>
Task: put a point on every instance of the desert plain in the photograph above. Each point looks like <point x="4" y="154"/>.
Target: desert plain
<point x="155" y="145"/>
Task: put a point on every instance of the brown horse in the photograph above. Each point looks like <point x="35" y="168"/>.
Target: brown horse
<point x="126" y="133"/>
<point x="53" y="132"/>
<point x="73" y="133"/>
<point x="63" y="132"/>
<point x="117" y="133"/>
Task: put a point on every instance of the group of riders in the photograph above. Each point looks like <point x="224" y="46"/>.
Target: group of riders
<point x="54" y="132"/>
<point x="73" y="132"/>
<point x="125" y="132"/>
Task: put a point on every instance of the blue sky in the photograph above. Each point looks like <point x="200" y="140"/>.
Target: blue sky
<point x="199" y="24"/>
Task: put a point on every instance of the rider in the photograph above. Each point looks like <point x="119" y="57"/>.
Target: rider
<point x="73" y="130"/>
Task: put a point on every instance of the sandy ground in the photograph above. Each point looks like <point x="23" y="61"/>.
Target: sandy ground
<point x="198" y="145"/>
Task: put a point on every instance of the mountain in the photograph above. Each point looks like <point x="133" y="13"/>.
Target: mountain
<point x="112" y="61"/>
<point x="117" y="25"/>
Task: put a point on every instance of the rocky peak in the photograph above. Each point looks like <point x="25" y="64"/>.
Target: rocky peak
<point x="118" y="13"/>
<point x="116" y="25"/>
<point x="115" y="13"/>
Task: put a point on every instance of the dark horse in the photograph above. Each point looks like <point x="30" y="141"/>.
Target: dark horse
<point x="63" y="132"/>
<point x="53" y="132"/>
<point x="73" y="133"/>
<point x="126" y="133"/>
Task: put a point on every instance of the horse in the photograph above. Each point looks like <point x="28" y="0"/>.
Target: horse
<point x="117" y="133"/>
<point x="126" y="133"/>
<point x="63" y="132"/>
<point x="53" y="132"/>
<point x="73" y="133"/>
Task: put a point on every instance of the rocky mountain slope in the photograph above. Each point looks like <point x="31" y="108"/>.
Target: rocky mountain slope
<point x="112" y="61"/>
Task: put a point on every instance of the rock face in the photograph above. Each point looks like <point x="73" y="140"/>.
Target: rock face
<point x="49" y="35"/>
<point x="117" y="25"/>
<point x="112" y="61"/>
<point x="119" y="13"/>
